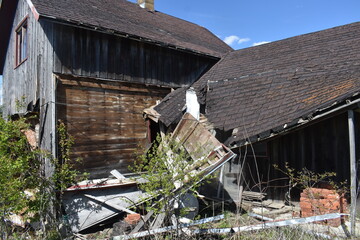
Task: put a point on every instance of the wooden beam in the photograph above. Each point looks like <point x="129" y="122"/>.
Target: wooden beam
<point x="352" y="150"/>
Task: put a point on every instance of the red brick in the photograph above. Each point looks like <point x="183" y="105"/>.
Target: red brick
<point x="333" y="196"/>
<point x="319" y="192"/>
<point x="331" y="204"/>
<point x="307" y="210"/>
<point x="303" y="195"/>
<point x="304" y="199"/>
<point x="306" y="214"/>
<point x="133" y="218"/>
<point x="305" y="205"/>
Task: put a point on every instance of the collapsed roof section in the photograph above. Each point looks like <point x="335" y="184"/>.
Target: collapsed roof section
<point x="257" y="92"/>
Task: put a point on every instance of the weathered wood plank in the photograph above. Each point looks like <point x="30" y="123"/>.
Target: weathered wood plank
<point x="113" y="57"/>
<point x="105" y="120"/>
<point x="104" y="64"/>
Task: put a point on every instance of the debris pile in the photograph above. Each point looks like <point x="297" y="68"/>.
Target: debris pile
<point x="90" y="204"/>
<point x="316" y="201"/>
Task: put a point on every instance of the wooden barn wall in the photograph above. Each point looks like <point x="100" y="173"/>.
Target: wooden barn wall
<point x="32" y="80"/>
<point x="106" y="121"/>
<point x="88" y="53"/>
<point x="322" y="147"/>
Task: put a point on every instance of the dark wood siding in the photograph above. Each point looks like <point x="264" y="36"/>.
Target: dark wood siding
<point x="106" y="121"/>
<point x="92" y="54"/>
<point x="321" y="147"/>
<point x="62" y="49"/>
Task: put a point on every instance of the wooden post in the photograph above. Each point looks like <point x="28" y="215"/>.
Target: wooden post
<point x="352" y="170"/>
<point x="221" y="183"/>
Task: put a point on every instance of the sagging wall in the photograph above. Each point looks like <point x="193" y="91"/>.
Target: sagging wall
<point x="105" y="118"/>
<point x="321" y="147"/>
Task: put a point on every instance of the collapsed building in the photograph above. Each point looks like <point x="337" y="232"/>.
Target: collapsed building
<point x="290" y="101"/>
<point x="101" y="66"/>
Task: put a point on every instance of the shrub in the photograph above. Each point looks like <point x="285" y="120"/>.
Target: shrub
<point x="24" y="190"/>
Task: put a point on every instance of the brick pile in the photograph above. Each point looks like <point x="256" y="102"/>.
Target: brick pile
<point x="133" y="218"/>
<point x="319" y="201"/>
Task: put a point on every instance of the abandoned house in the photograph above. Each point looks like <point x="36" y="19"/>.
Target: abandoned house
<point x="101" y="66"/>
<point x="96" y="65"/>
<point x="292" y="101"/>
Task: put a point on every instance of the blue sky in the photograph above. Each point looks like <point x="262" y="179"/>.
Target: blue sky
<point x="247" y="23"/>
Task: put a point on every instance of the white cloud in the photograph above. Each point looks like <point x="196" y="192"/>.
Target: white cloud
<point x="231" y="40"/>
<point x="260" y="43"/>
<point x="242" y="40"/>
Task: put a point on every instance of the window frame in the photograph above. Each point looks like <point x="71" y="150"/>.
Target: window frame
<point x="21" y="45"/>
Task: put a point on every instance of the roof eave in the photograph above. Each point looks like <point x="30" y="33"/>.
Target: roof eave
<point x="126" y="35"/>
<point x="319" y="114"/>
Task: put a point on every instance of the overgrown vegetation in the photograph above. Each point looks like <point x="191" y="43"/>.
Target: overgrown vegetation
<point x="25" y="192"/>
<point x="283" y="233"/>
<point x="307" y="179"/>
<point x="167" y="163"/>
<point x="19" y="171"/>
<point x="168" y="177"/>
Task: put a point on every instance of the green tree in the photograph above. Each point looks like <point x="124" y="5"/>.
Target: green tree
<point x="169" y="174"/>
<point x="23" y="188"/>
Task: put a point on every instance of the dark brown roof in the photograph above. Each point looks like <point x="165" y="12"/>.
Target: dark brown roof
<point x="128" y="18"/>
<point x="260" y="89"/>
<point x="172" y="106"/>
<point x="122" y="18"/>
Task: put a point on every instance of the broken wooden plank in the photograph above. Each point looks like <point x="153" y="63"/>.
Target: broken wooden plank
<point x="167" y="229"/>
<point x="248" y="195"/>
<point x="158" y="221"/>
<point x="205" y="150"/>
<point x="96" y="184"/>
<point x="118" y="175"/>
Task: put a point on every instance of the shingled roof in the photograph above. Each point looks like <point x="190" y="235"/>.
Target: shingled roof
<point x="264" y="89"/>
<point x="130" y="19"/>
<point x="118" y="17"/>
